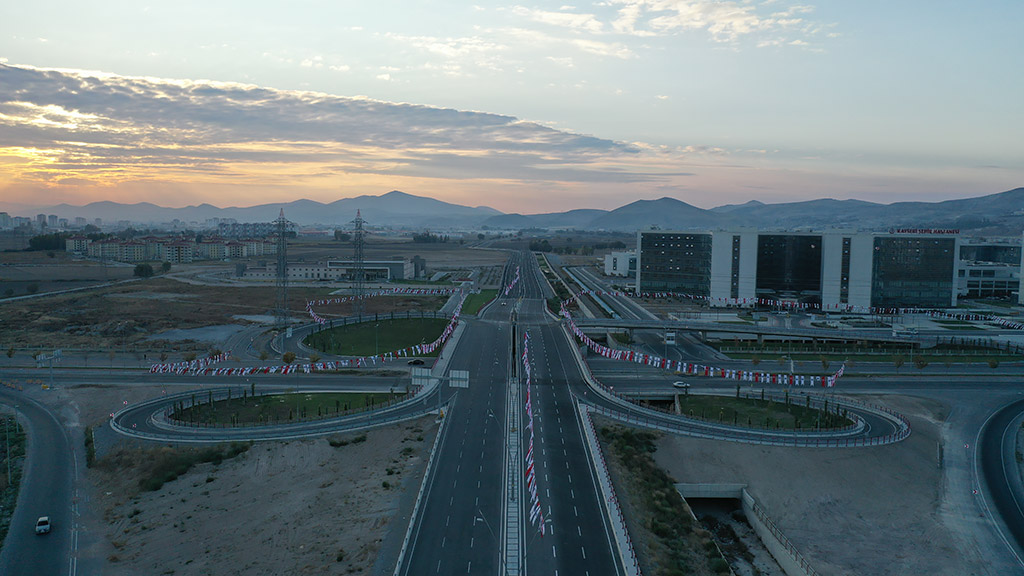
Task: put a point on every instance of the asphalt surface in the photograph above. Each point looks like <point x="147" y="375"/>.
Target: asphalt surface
<point x="997" y="454"/>
<point x="577" y="539"/>
<point x="459" y="530"/>
<point x="46" y="490"/>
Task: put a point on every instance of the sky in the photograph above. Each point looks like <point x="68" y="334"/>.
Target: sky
<point x="523" y="107"/>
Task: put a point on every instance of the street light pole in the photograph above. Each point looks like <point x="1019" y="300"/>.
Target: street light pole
<point x="7" y="432"/>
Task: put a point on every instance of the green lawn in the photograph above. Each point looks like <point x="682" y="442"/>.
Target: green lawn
<point x="369" y="338"/>
<point x="246" y="410"/>
<point x="474" y="302"/>
<point x="757" y="413"/>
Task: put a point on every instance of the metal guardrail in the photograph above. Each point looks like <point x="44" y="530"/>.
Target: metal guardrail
<point x="781" y="538"/>
<point x="419" y="495"/>
<point x="621" y="532"/>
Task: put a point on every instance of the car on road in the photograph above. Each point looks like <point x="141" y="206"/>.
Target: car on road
<point x="415" y="362"/>
<point x="43" y="525"/>
<point x="680" y="384"/>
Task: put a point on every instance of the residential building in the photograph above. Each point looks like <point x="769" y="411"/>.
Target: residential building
<point x="77" y="245"/>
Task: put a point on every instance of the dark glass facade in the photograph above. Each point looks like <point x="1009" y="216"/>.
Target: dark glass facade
<point x="912" y="271"/>
<point x="844" y="278"/>
<point x="789" y="267"/>
<point x="999" y="254"/>
<point x="675" y="263"/>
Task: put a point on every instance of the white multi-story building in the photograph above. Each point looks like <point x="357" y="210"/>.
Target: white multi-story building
<point x="620" y="264"/>
<point x="834" y="269"/>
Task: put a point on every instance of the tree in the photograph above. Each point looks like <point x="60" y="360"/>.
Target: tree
<point x="32" y="288"/>
<point x="898" y="361"/>
<point x="920" y="363"/>
<point x="47" y="242"/>
<point x="10" y="352"/>
<point x="165" y="267"/>
<point x="288" y="357"/>
<point x="481" y="236"/>
<point x="342" y="236"/>
<point x="314" y="357"/>
<point x="993" y="363"/>
<point x="143" y="270"/>
<point x="264" y="355"/>
<point x="824" y="362"/>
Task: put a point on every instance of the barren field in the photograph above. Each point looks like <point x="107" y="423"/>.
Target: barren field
<point x="849" y="511"/>
<point x="319" y="506"/>
<point x="132" y="316"/>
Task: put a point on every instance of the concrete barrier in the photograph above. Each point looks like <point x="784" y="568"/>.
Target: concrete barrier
<point x="733" y="491"/>
<point x="785" y="553"/>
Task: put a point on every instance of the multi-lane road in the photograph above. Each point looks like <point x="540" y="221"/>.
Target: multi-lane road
<point x="463" y="526"/>
<point x="47" y="489"/>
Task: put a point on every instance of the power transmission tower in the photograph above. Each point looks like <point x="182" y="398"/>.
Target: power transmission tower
<point x="281" y="304"/>
<point x="359" y="274"/>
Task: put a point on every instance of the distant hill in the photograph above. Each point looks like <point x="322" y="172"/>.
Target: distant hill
<point x="665" y="213"/>
<point x="392" y="209"/>
<point x="1001" y="213"/>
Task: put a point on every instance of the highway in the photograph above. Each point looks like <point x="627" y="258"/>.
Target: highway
<point x="458" y="529"/>
<point x="997" y="456"/>
<point x="461" y="526"/>
<point x="47" y="489"/>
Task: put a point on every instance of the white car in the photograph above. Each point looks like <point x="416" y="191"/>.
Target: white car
<point x="680" y="384"/>
<point x="43" y="525"/>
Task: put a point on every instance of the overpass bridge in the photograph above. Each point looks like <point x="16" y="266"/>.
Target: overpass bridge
<point x="705" y="327"/>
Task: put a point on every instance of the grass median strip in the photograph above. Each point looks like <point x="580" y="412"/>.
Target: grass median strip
<point x="246" y="410"/>
<point x="370" y="338"/>
<point x="753" y="411"/>
<point x="474" y="302"/>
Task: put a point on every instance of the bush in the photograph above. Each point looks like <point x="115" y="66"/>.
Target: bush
<point x="718" y="566"/>
<point x="143" y="270"/>
<point x="288" y="357"/>
<point x="90" y="448"/>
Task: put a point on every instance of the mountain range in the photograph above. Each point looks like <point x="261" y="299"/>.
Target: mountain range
<point x="1001" y="213"/>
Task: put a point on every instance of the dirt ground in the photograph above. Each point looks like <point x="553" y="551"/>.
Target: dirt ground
<point x="131" y="317"/>
<point x="297" y="507"/>
<point x="849" y="511"/>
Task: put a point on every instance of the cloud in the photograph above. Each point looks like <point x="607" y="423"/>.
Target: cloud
<point x="61" y="126"/>
<point x="579" y="22"/>
<point x="723" y="20"/>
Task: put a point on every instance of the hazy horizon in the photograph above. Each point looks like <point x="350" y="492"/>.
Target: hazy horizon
<point x="527" y="109"/>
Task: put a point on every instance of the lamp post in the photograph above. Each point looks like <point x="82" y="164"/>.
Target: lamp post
<point x="376" y="347"/>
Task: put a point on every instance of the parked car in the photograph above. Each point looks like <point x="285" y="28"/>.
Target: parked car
<point x="43" y="525"/>
<point x="415" y="362"/>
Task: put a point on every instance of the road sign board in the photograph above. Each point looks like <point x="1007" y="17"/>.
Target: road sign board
<point x="420" y="376"/>
<point x="458" y="378"/>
